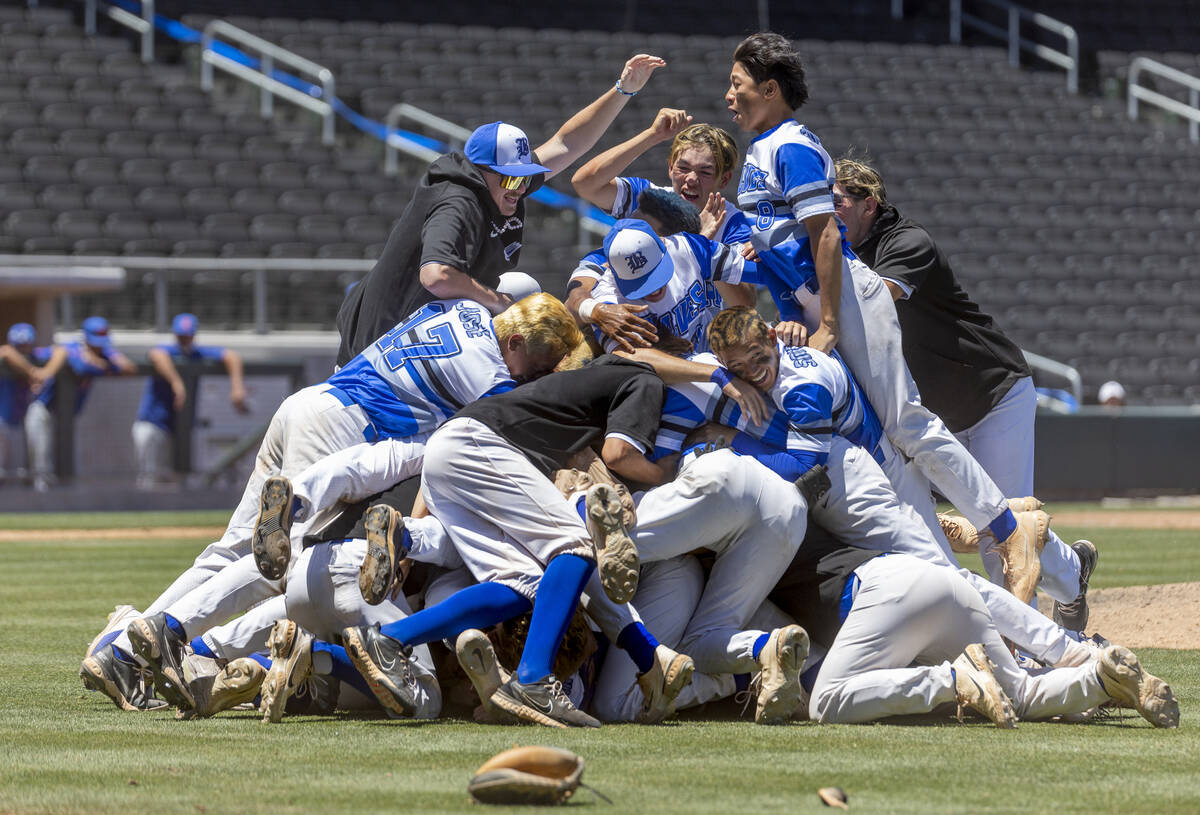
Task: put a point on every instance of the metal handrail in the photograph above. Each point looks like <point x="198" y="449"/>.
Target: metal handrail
<point x="268" y="54"/>
<point x="456" y="134"/>
<point x="1016" y="43"/>
<point x="1190" y="111"/>
<point x="143" y="25"/>
<point x="1055" y="368"/>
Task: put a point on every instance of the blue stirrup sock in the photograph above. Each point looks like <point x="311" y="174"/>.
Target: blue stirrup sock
<point x="1004" y="525"/>
<point x="175" y="626"/>
<point x="199" y="646"/>
<point x="478" y="606"/>
<point x="342" y="668"/>
<point x="639" y="643"/>
<point x="557" y="597"/>
<point x="760" y="643"/>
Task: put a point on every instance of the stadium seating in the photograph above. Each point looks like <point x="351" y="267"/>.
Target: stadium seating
<point x="1060" y="215"/>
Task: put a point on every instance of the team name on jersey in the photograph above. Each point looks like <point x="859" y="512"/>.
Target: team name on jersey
<point x="752" y="179"/>
<point x="699" y="296"/>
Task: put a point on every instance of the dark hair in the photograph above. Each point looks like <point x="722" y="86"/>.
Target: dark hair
<point x="767" y="55"/>
<point x="734" y="327"/>
<point x="670" y="209"/>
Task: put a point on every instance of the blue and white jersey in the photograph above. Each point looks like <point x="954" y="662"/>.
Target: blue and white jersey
<point x="820" y="398"/>
<point x="590" y="267"/>
<point x="419" y="374"/>
<point x="786" y="178"/>
<point x="735" y="230"/>
<point x="691" y="300"/>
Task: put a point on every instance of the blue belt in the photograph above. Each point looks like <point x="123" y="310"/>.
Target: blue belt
<point x="847" y="600"/>
<point x="369" y="432"/>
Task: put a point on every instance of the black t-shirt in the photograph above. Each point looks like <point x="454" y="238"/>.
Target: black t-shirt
<point x="810" y="590"/>
<point x="452" y="220"/>
<point x="554" y="417"/>
<point x="962" y="363"/>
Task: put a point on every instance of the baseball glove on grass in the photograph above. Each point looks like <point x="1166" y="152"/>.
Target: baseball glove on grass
<point x="527" y="775"/>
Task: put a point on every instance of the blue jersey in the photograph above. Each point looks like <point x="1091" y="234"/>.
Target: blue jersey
<point x="691" y="300"/>
<point x="786" y="178"/>
<point x="14" y="395"/>
<point x="85" y="372"/>
<point x="419" y="374"/>
<point x="158" y="400"/>
<point x="735" y="229"/>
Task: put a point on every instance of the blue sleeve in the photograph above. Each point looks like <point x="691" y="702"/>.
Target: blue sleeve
<point x="737" y="229"/>
<point x="789" y="465"/>
<point x="210" y="352"/>
<point x="809" y="406"/>
<point x="503" y="387"/>
<point x="636" y="187"/>
<point x="702" y="248"/>
<point x="801" y="173"/>
<point x="750" y="272"/>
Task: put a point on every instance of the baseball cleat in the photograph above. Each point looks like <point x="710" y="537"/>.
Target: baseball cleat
<point x="660" y="685"/>
<point x="616" y="554"/>
<point x="122" y="682"/>
<point x="291" y="665"/>
<point x="542" y="702"/>
<point x="782" y="659"/>
<point x="271" y="541"/>
<point x="1021" y="554"/>
<point x="1123" y="679"/>
<point x="478" y="660"/>
<point x="164" y="653"/>
<point x="235" y="684"/>
<point x="976" y="687"/>
<point x="378" y="569"/>
<point x="118" y="619"/>
<point x="1073" y="616"/>
<point x="386" y="665"/>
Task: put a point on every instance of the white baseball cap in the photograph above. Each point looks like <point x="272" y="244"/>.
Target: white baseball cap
<point x="517" y="285"/>
<point x="1111" y="389"/>
<point x="638" y="258"/>
<point x="504" y="149"/>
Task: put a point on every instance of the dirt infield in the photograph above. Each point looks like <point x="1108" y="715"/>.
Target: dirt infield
<point x="1128" y="519"/>
<point x="118" y="533"/>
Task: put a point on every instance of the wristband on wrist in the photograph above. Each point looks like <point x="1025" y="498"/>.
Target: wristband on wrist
<point x="622" y="91"/>
<point x="721" y="377"/>
<point x="586" y="308"/>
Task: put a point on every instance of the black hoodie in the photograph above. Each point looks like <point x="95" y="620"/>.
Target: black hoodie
<point x="451" y="219"/>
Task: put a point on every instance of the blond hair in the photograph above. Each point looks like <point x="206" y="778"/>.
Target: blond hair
<point x="860" y="179"/>
<point x="543" y="321"/>
<point x="736" y="327"/>
<point x="717" y="141"/>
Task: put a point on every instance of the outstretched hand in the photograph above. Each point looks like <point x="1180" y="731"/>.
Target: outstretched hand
<point x="637" y="71"/>
<point x="749" y="398"/>
<point x="712" y="215"/>
<point x="620" y="321"/>
<point x="668" y="122"/>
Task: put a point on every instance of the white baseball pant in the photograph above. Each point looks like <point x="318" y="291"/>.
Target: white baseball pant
<point x="506" y="519"/>
<point x="862" y="509"/>
<point x="39" y="440"/>
<point x="905" y="611"/>
<point x="12" y="450"/>
<point x="356" y="473"/>
<point x="248" y="633"/>
<point x="323" y="598"/>
<point x="151" y="445"/>
<point x="869" y="342"/>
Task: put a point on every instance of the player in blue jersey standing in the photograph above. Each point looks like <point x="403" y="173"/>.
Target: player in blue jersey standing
<point x="828" y="297"/>
<point x="166" y="394"/>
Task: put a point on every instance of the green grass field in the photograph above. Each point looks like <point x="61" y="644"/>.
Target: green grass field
<point x="66" y="750"/>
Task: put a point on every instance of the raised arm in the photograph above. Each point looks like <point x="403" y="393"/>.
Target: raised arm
<point x="826" y="241"/>
<point x="596" y="180"/>
<point x="164" y="366"/>
<point x="581" y="132"/>
<point x="447" y="283"/>
<point x="237" y="386"/>
<point x="674" y="370"/>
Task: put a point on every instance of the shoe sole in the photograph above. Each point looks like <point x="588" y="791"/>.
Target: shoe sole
<point x="524" y="712"/>
<point x="678" y="676"/>
<point x="478" y="661"/>
<point x="616" y="554"/>
<point x="288" y="657"/>
<point x="92" y="674"/>
<point x="170" y="687"/>
<point x="791" y="649"/>
<point x="359" y="654"/>
<point x="271" y="541"/>
<point x="377" y="569"/>
<point x="998" y="709"/>
<point x="218" y="697"/>
<point x="1133" y="687"/>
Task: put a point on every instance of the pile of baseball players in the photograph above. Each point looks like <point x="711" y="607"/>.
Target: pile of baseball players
<point x="716" y="507"/>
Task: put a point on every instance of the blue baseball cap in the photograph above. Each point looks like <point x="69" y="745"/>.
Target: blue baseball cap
<point x="638" y="258"/>
<point x="184" y="325"/>
<point x="95" y="332"/>
<point x="504" y="149"/>
<point x="21" y="334"/>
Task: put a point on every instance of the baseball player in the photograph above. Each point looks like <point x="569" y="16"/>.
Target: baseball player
<point x="905" y="636"/>
<point x="87" y="360"/>
<point x="860" y="507"/>
<point x="464" y="224"/>
<point x="166" y="394"/>
<point x="411" y="379"/>
<point x="820" y="286"/>
<point x="19" y="377"/>
<point x="674" y="277"/>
